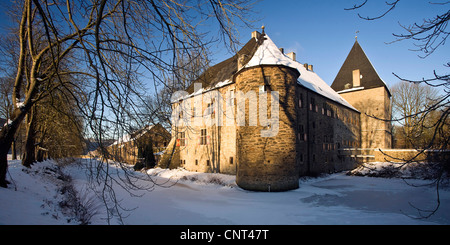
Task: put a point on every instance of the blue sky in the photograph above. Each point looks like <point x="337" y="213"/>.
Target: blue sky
<point x="322" y="34"/>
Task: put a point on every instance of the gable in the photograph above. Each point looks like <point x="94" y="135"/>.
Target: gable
<point x="357" y="60"/>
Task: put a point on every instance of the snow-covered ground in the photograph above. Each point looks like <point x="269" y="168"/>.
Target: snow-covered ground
<point x="181" y="197"/>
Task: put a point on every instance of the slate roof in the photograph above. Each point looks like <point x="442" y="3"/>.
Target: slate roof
<point x="225" y="69"/>
<point x="357" y="59"/>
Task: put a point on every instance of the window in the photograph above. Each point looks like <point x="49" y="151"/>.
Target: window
<point x="312" y="104"/>
<point x="203" y="137"/>
<point x="232" y="97"/>
<point x="182" y="138"/>
<point x="208" y="163"/>
<point x="301" y="133"/>
<point x="196" y="162"/>
<point x="262" y="88"/>
<point x="210" y="110"/>
<point x="231" y="160"/>
<point x="300" y="101"/>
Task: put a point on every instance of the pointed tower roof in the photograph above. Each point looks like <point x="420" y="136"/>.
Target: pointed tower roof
<point x="357" y="59"/>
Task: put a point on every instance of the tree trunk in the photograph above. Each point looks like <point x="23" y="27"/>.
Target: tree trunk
<point x="29" y="152"/>
<point x="6" y="139"/>
<point x="3" y="164"/>
<point x="7" y="134"/>
<point x="13" y="150"/>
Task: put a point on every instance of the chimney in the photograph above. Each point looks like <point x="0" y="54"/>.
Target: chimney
<point x="256" y="35"/>
<point x="308" y="67"/>
<point x="281" y="50"/>
<point x="356" y="78"/>
<point x="291" y="55"/>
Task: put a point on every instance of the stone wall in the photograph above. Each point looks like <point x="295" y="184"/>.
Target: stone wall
<point x="375" y="102"/>
<point x="402" y="155"/>
<point x="395" y="155"/>
<point x="205" y="144"/>
<point x="324" y="126"/>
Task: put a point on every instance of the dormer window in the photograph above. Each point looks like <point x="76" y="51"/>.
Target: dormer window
<point x="356" y="78"/>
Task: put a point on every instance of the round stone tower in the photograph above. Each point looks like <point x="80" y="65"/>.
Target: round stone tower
<point x="267" y="163"/>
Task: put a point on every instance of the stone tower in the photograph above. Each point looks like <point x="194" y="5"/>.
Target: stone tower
<point x="358" y="83"/>
<point x="267" y="163"/>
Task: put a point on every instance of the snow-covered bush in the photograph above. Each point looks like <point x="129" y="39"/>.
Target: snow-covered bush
<point x="421" y="170"/>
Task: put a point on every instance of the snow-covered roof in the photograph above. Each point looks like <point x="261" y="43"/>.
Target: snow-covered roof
<point x="134" y="136"/>
<point x="312" y="81"/>
<point x="269" y="54"/>
<point x="350" y="90"/>
<point x="178" y="97"/>
<point x="266" y="53"/>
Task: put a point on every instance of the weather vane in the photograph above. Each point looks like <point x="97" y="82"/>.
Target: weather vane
<point x="356" y="35"/>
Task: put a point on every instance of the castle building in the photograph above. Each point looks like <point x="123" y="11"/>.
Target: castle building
<point x="264" y="117"/>
<point x="358" y="83"/>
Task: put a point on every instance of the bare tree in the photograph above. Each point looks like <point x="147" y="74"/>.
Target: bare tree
<point x="158" y="107"/>
<point x="408" y="100"/>
<point x="428" y="37"/>
<point x="107" y="48"/>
